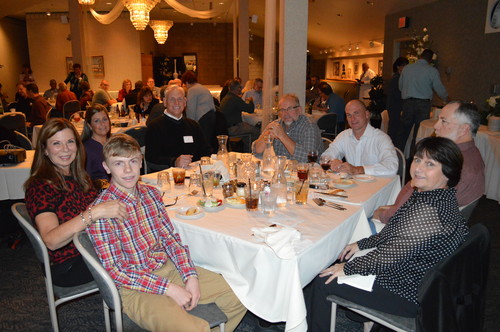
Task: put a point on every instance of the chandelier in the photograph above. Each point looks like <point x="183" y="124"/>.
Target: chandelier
<point x="160" y="29"/>
<point x="139" y="11"/>
<point x="86" y="2"/>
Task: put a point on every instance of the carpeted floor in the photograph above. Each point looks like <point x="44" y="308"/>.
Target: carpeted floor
<point x="23" y="303"/>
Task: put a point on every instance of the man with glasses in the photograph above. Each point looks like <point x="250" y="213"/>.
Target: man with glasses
<point x="367" y="150"/>
<point x="102" y="95"/>
<point x="293" y="133"/>
<point x="458" y="121"/>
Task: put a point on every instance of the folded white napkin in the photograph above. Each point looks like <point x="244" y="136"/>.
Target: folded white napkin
<point x="280" y="239"/>
<point x="151" y="178"/>
<point x="356" y="280"/>
<point x="338" y="200"/>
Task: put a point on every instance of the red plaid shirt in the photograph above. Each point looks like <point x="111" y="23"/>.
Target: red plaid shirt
<point x="133" y="249"/>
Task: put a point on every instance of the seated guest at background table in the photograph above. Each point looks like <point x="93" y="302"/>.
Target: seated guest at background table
<point x="102" y="96"/>
<point x="125" y="90"/>
<point x="39" y="108"/>
<point x="159" y="108"/>
<point x="75" y="79"/>
<point x="63" y="97"/>
<point x="175" y="81"/>
<point x="23" y="102"/>
<point x="248" y="86"/>
<point x="87" y="96"/>
<point x="367" y="150"/>
<point x="293" y="133"/>
<point x="157" y="280"/>
<point x="225" y="87"/>
<point x="174" y="140"/>
<point x="52" y="92"/>
<point x="96" y="132"/>
<point x="58" y="195"/>
<point x="458" y="121"/>
<point x="232" y="105"/>
<point x="145" y="103"/>
<point x="312" y="92"/>
<point x="151" y="84"/>
<point x="255" y="93"/>
<point x="3" y="99"/>
<point x="425" y="230"/>
<point x="333" y="104"/>
<point x="200" y="105"/>
<point x="26" y="75"/>
<point x="131" y="98"/>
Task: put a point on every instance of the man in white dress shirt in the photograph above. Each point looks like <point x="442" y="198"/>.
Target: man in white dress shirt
<point x="367" y="150"/>
<point x="364" y="83"/>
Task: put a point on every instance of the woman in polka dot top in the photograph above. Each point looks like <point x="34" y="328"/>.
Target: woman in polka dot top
<point x="425" y="230"/>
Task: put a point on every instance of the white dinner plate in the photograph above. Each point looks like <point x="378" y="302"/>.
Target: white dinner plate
<point x="364" y="178"/>
<point x="234" y="203"/>
<point x="181" y="213"/>
<point x="343" y="183"/>
<point x="211" y="208"/>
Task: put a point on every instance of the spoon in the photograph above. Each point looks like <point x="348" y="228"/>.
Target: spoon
<point x="321" y="202"/>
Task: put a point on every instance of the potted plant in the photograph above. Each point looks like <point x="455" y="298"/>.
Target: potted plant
<point x="377" y="101"/>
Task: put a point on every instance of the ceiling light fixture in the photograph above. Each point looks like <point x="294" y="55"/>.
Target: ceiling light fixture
<point x="139" y="11"/>
<point x="160" y="29"/>
<point x="48" y="13"/>
<point x="357" y="46"/>
<point x="86" y="2"/>
<point x="349" y="48"/>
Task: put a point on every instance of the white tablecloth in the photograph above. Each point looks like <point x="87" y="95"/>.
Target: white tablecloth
<point x="488" y="143"/>
<point x="268" y="286"/>
<point x="12" y="178"/>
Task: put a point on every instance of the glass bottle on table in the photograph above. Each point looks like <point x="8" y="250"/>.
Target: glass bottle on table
<point x="222" y="153"/>
<point x="268" y="160"/>
<point x="278" y="185"/>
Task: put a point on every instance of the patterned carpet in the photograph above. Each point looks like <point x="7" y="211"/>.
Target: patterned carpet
<point x="23" y="303"/>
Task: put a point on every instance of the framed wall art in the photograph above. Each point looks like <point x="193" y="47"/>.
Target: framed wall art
<point x="98" y="65"/>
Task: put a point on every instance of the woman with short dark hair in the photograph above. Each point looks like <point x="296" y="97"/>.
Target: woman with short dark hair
<point x="425" y="230"/>
<point x="145" y="103"/>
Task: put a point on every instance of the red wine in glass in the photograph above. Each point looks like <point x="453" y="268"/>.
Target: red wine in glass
<point x="312" y="156"/>
<point x="325" y="166"/>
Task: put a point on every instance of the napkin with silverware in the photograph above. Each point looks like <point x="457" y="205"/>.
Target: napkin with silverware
<point x="281" y="239"/>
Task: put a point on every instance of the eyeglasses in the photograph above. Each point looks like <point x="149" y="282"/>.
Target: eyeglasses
<point x="289" y="109"/>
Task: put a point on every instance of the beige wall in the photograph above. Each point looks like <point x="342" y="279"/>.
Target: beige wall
<point x="117" y="42"/>
<point x="456" y="29"/>
<point x="13" y="54"/>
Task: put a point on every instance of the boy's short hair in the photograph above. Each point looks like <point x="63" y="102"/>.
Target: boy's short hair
<point x="121" y="145"/>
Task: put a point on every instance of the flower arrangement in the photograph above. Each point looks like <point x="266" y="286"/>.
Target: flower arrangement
<point x="418" y="44"/>
<point x="493" y="109"/>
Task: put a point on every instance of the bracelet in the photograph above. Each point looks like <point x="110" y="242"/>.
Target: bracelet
<point x="83" y="220"/>
<point x="90" y="215"/>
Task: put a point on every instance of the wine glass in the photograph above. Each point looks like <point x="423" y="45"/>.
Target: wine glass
<point x="324" y="161"/>
<point x="312" y="156"/>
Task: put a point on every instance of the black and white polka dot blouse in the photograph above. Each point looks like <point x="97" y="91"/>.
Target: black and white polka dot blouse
<point x="426" y="229"/>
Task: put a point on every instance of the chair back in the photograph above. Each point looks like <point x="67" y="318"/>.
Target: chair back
<point x="466" y="210"/>
<point x="401" y="166"/>
<point x="326" y="142"/>
<point x="24" y="141"/>
<point x="21" y="213"/>
<point x="139" y="133"/>
<point x="328" y="124"/>
<point x="14" y="121"/>
<point x="452" y="293"/>
<point x="106" y="284"/>
<point x="71" y="107"/>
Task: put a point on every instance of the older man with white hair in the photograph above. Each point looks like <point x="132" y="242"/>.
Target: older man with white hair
<point x="293" y="133"/>
<point x="458" y="121"/>
<point x="173" y="140"/>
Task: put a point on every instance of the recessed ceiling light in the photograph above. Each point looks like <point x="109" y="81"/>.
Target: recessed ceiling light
<point x="109" y="3"/>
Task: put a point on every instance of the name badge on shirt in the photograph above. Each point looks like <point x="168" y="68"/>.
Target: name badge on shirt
<point x="188" y="139"/>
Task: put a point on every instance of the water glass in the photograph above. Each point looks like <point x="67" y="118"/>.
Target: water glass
<point x="290" y="190"/>
<point x="268" y="203"/>
<point x="208" y="183"/>
<point x="163" y="181"/>
<point x="315" y="174"/>
<point x="195" y="182"/>
<point x="205" y="161"/>
<point x="217" y="178"/>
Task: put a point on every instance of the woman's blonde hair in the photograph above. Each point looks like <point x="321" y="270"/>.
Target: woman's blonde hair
<point x="43" y="169"/>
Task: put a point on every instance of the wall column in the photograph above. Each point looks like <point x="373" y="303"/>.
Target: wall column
<point x="76" y="18"/>
<point x="293" y="48"/>
<point x="243" y="40"/>
<point x="269" y="61"/>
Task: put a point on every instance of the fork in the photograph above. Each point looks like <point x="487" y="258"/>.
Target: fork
<point x="321" y="202"/>
<point x="175" y="202"/>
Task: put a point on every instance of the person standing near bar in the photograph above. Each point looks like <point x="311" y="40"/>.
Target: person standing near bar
<point x="417" y="83"/>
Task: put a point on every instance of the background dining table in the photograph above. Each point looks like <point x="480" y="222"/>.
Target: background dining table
<point x="488" y="143"/>
<point x="270" y="286"/>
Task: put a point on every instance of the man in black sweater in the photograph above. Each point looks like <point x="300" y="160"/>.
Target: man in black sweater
<point x="172" y="140"/>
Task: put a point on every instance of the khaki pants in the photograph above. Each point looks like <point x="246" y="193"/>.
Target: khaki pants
<point x="161" y="313"/>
